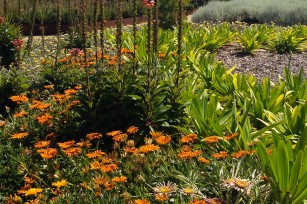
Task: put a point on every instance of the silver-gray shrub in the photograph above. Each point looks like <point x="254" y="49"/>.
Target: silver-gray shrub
<point x="280" y="12"/>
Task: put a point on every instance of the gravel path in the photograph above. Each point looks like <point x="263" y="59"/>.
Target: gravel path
<point x="263" y="63"/>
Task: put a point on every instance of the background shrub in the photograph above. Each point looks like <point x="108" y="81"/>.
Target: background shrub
<point x="254" y="11"/>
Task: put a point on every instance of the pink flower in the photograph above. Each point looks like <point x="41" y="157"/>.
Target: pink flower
<point x="18" y="44"/>
<point x="149" y="4"/>
<point x="75" y="52"/>
<point x="2" y="19"/>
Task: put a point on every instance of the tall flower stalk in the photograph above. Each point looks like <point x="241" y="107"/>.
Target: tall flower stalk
<point x="179" y="50"/>
<point x="119" y="35"/>
<point x="95" y="32"/>
<point x="102" y="28"/>
<point x="155" y="27"/>
<point x="30" y="39"/>
<point x="134" y="36"/>
<point x="84" y="39"/>
<point x="5" y="7"/>
<point x="58" y="32"/>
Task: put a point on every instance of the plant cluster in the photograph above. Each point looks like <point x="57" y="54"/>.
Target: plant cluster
<point x="284" y="13"/>
<point x="10" y="42"/>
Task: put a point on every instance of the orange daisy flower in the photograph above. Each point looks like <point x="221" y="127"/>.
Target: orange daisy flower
<point x="120" y="138"/>
<point x="203" y="160"/>
<point x="109" y="186"/>
<point x="141" y="201"/>
<point x="42" y="144"/>
<point x="2" y="123"/>
<point x="19" y="135"/>
<point x="163" y="140"/>
<point x="94" y="135"/>
<point x="211" y="139"/>
<point x="109" y="168"/>
<point x="240" y="154"/>
<point x="73" y="151"/>
<point x="100" y="180"/>
<point x="156" y="134"/>
<point x="67" y="144"/>
<point x="20" y="98"/>
<point x="119" y="179"/>
<point x="50" y="86"/>
<point x="44" y="119"/>
<point x="230" y="137"/>
<point x="162" y="197"/>
<point x="220" y="155"/>
<point x="60" y="184"/>
<point x="132" y="130"/>
<point x="113" y="133"/>
<point x="188" y="138"/>
<point x="70" y="92"/>
<point x="148" y="148"/>
<point x="189" y="154"/>
<point x="33" y="191"/>
<point x="95" y="165"/>
<point x="48" y="153"/>
<point x="132" y="150"/>
<point x="94" y="154"/>
<point x="20" y="114"/>
<point x="86" y="144"/>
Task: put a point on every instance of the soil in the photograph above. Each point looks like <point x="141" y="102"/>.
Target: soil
<point x="262" y="63"/>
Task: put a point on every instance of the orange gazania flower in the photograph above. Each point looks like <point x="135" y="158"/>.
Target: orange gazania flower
<point x="161" y="197"/>
<point x="70" y="92"/>
<point x="109" y="168"/>
<point x="85" y="144"/>
<point x="163" y="140"/>
<point x="203" y="160"/>
<point x="52" y="135"/>
<point x="156" y="134"/>
<point x="33" y="191"/>
<point x="2" y="123"/>
<point x="148" y="148"/>
<point x="189" y="154"/>
<point x="94" y="154"/>
<point x="113" y="133"/>
<point x="39" y="105"/>
<point x="73" y="151"/>
<point x="141" y="201"/>
<point x="44" y="119"/>
<point x="132" y="150"/>
<point x="20" y="98"/>
<point x="109" y="185"/>
<point x="211" y="139"/>
<point x="42" y="144"/>
<point x="60" y="184"/>
<point x="94" y="135"/>
<point x="20" y="114"/>
<point x="220" y="155"/>
<point x="95" y="165"/>
<point x="28" y="180"/>
<point x="188" y="138"/>
<point x="78" y="87"/>
<point x="100" y="180"/>
<point x="132" y="130"/>
<point x="19" y="135"/>
<point x="230" y="137"/>
<point x="197" y="201"/>
<point x="119" y="179"/>
<point x="67" y="144"/>
<point x="240" y="154"/>
<point x="50" y="86"/>
<point x="120" y="138"/>
<point x="48" y="153"/>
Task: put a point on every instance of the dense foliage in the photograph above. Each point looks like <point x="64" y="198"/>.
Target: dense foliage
<point x="284" y="13"/>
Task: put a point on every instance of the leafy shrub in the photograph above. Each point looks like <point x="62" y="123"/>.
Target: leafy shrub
<point x="8" y="33"/>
